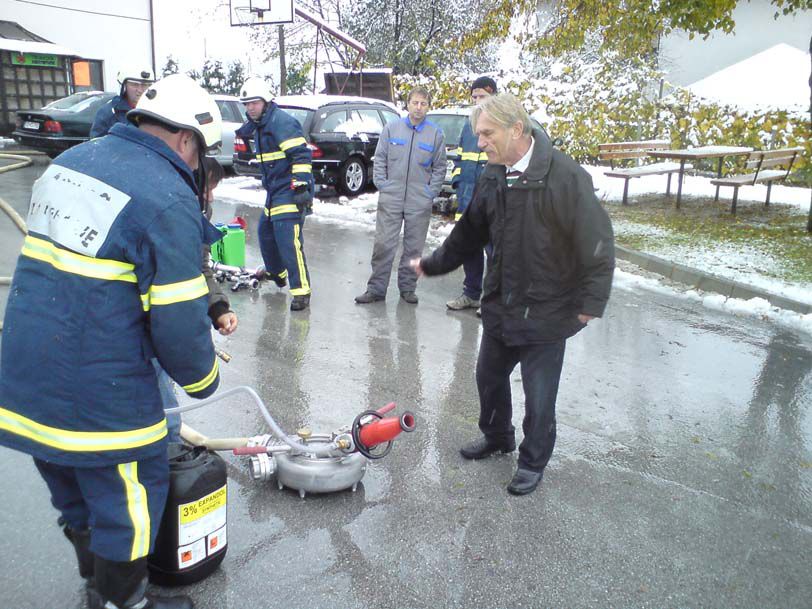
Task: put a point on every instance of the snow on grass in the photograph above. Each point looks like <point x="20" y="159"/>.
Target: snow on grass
<point x="744" y="263"/>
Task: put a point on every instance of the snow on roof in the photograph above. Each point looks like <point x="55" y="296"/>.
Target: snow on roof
<point x="775" y="78"/>
<point x="458" y="110"/>
<point x="29" y="46"/>
<point x="314" y="102"/>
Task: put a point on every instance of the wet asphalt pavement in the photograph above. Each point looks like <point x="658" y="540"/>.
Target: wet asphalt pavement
<point x="682" y="476"/>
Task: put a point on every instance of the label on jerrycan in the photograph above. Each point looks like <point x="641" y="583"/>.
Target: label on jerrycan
<point x="202" y="527"/>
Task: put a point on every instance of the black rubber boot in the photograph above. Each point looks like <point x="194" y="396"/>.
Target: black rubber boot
<point x="81" y="543"/>
<point x="300" y="303"/>
<point x="123" y="585"/>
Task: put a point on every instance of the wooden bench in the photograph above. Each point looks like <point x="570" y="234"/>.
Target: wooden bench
<point x="622" y="151"/>
<point x="764" y="164"/>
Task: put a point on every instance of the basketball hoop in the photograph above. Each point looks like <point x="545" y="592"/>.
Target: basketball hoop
<point x="260" y="12"/>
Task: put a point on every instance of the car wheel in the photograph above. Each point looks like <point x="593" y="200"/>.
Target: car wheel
<point x="352" y="178"/>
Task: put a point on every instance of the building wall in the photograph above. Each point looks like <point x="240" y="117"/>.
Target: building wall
<point x="115" y="31"/>
<point x="685" y="61"/>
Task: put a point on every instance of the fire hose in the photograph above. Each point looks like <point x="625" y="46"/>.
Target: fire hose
<point x="22" y="161"/>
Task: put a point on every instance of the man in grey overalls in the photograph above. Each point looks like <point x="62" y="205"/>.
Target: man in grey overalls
<point x="410" y="165"/>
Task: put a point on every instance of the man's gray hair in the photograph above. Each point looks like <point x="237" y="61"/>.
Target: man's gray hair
<point x="505" y="110"/>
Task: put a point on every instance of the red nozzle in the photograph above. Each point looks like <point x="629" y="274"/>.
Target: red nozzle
<point x="384" y="430"/>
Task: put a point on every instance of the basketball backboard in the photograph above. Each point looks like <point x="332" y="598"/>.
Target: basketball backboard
<point x="260" y="12"/>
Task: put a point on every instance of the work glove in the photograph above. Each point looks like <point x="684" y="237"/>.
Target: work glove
<point x="301" y="194"/>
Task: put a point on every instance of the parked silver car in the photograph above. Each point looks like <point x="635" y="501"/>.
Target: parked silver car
<point x="233" y="113"/>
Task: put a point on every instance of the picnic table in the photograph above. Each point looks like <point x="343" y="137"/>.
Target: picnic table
<point x="700" y="152"/>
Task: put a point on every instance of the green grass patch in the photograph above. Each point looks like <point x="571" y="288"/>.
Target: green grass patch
<point x="652" y="224"/>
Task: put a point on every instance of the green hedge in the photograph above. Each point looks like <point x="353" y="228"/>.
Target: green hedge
<point x="590" y="104"/>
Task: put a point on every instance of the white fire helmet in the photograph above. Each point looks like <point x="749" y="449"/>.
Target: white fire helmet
<point x="136" y="74"/>
<point x="179" y="101"/>
<point x="255" y="88"/>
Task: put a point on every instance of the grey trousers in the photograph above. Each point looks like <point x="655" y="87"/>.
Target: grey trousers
<point x="390" y="218"/>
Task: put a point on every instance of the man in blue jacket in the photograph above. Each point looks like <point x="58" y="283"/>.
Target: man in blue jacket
<point x="467" y="169"/>
<point x="287" y="175"/>
<point x="109" y="277"/>
<point x="133" y="84"/>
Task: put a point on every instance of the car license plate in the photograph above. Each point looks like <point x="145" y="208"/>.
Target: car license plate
<point x="31" y="125"/>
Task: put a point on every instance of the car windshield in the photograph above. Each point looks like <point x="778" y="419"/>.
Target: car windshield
<point x="74" y="103"/>
<point x="300" y="114"/>
<point x="360" y="123"/>
<point x="452" y="125"/>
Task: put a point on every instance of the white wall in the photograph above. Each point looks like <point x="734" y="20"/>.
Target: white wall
<point x="115" y="31"/>
<point x="686" y="61"/>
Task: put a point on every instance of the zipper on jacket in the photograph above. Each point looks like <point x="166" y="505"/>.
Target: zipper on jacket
<point x="409" y="162"/>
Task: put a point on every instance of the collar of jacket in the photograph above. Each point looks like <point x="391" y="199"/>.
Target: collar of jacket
<point x="265" y="118"/>
<point x="418" y="127"/>
<point x="120" y="104"/>
<point x="134" y="134"/>
<point x="539" y="162"/>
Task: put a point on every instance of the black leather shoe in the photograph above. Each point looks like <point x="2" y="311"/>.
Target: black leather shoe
<point x="479" y="449"/>
<point x="300" y="303"/>
<point x="524" y="481"/>
<point x="368" y="297"/>
<point x="409" y="297"/>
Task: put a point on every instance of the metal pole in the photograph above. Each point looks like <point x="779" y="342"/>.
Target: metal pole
<point x="283" y="69"/>
<point x="316" y="58"/>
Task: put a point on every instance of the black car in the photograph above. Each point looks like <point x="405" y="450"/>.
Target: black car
<point x="341" y="132"/>
<point x="61" y="124"/>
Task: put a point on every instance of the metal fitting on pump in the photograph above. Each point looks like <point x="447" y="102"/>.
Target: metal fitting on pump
<point x="261" y="466"/>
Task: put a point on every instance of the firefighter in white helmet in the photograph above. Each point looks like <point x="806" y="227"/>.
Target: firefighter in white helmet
<point x="109" y="276"/>
<point x="134" y="81"/>
<point x="287" y="175"/>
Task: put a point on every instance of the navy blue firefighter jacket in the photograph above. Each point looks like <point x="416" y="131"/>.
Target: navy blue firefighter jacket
<point x="467" y="168"/>
<point x="114" y="111"/>
<point x="108" y="277"/>
<point x="281" y="149"/>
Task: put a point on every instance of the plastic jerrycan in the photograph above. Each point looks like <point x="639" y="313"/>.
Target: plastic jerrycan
<point x="234" y="245"/>
<point x="192" y="538"/>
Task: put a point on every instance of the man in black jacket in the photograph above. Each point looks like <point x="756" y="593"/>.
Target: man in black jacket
<point x="550" y="274"/>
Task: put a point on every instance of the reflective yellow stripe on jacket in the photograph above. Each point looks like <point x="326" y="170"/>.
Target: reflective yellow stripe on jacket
<point x="80" y="441"/>
<point x="172" y="293"/>
<point x="474" y="156"/>
<point x="70" y="262"/>
<point x="282" y="209"/>
<point x="271" y="156"/>
<point x="205" y="381"/>
<point x="301" y="168"/>
<point x="292" y="143"/>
